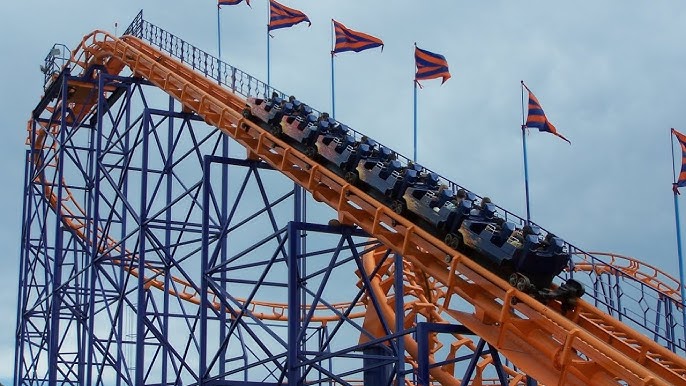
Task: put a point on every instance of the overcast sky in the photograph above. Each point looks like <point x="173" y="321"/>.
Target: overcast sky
<point x="610" y="76"/>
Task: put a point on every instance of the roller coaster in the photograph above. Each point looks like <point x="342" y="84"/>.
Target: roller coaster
<point x="169" y="240"/>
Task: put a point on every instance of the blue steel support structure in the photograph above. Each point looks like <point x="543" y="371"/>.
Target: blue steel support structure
<point x="152" y="254"/>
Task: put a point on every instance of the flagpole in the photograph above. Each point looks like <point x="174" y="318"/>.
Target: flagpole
<point x="219" y="46"/>
<point x="333" y="94"/>
<point x="678" y="239"/>
<point x="268" y="75"/>
<point x="414" y="157"/>
<point x="526" y="165"/>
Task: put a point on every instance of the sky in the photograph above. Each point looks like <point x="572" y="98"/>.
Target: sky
<point x="609" y="76"/>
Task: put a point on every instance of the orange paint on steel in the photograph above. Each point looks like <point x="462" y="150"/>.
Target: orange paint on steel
<point x="531" y="335"/>
<point x="639" y="270"/>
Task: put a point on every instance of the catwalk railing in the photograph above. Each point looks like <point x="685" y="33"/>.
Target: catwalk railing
<point x="620" y="290"/>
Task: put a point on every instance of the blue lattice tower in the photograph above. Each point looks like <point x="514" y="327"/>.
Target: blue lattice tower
<point x="129" y="203"/>
<point x="120" y="221"/>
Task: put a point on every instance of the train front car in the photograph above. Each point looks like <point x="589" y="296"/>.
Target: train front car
<point x="538" y="262"/>
<point x="528" y="261"/>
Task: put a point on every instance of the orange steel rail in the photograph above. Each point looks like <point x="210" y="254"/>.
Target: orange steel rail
<point x="641" y="271"/>
<point x="584" y="347"/>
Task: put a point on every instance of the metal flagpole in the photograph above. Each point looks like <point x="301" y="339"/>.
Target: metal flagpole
<point x="219" y="45"/>
<point x="333" y="94"/>
<point x="678" y="237"/>
<point x="269" y="14"/>
<point x="414" y="156"/>
<point x="268" y="77"/>
<point x="526" y="166"/>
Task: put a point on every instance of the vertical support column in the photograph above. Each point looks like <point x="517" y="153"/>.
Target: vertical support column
<point x="294" y="305"/>
<point x="422" y="354"/>
<point x="54" y="329"/>
<point x="223" y="253"/>
<point x="140" y="306"/>
<point x="95" y="219"/>
<point x="23" y="262"/>
<point x="204" y="261"/>
<point x="169" y="179"/>
<point x="423" y="366"/>
<point x="122" y="236"/>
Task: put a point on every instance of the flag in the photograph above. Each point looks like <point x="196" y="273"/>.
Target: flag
<point x="281" y="16"/>
<point x="536" y="117"/>
<point x="430" y="65"/>
<point x="681" y="182"/>
<point x="349" y="40"/>
<point x="232" y="2"/>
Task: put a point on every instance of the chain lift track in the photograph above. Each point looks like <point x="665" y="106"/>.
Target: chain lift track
<point x="587" y="346"/>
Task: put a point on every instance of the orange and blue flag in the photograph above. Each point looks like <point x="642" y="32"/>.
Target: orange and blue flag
<point x="232" y="2"/>
<point x="281" y="16"/>
<point x="536" y="117"/>
<point x="350" y="40"/>
<point x="430" y="65"/>
<point x="681" y="182"/>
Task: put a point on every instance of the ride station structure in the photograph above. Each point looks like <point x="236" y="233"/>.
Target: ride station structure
<point x="167" y="239"/>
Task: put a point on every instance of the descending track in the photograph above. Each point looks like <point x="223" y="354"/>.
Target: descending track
<point x="585" y="347"/>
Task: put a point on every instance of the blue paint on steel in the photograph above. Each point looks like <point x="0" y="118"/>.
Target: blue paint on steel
<point x="469" y="371"/>
<point x="294" y="343"/>
<point x="495" y="357"/>
<point x="204" y="286"/>
<point x="54" y="345"/>
<point x="143" y="216"/>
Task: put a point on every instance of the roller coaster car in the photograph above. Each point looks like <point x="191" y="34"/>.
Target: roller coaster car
<point x="336" y="146"/>
<point x="268" y="111"/>
<point x="304" y="130"/>
<point x="381" y="171"/>
<point x="540" y="260"/>
<point x="384" y="176"/>
<point x="439" y="208"/>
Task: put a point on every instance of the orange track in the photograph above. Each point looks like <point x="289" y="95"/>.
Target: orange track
<point x="585" y="347"/>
